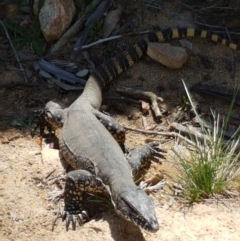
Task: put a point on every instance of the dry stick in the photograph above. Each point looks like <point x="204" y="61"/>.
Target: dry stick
<point x="50" y="173"/>
<point x="228" y="34"/>
<point x="13" y="84"/>
<point x="201" y="9"/>
<point x="170" y="134"/>
<point x="59" y="215"/>
<point x="15" y="52"/>
<point x="146" y="95"/>
<point x="100" y="41"/>
<point x="212" y="6"/>
<point x="232" y="64"/>
<point x="190" y="131"/>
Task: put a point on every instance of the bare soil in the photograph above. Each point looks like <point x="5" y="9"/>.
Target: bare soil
<point x="27" y="170"/>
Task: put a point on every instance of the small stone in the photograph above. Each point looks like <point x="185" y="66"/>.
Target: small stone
<point x="82" y="73"/>
<point x="186" y="44"/>
<point x="170" y="56"/>
<point x="55" y="16"/>
<point x="51" y="162"/>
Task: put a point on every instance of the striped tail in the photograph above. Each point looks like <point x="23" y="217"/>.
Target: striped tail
<point x="109" y="70"/>
<point x="175" y="33"/>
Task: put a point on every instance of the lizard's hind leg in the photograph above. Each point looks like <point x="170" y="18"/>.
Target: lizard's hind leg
<point x="116" y="129"/>
<point x="140" y="157"/>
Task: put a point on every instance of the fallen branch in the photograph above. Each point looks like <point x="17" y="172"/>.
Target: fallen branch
<point x="13" y="84"/>
<point x="189" y="131"/>
<point x="145" y="95"/>
<point x="89" y="25"/>
<point x="169" y="134"/>
<point x="100" y="41"/>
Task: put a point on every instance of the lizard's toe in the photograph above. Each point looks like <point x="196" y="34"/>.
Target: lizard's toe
<point x="80" y="218"/>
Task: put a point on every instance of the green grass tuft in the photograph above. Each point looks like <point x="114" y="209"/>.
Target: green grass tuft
<point x="209" y="166"/>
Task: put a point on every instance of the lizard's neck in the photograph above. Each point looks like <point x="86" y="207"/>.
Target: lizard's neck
<point x="92" y="94"/>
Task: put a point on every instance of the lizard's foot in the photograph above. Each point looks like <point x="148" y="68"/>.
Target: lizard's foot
<point x="55" y="196"/>
<point x="140" y="156"/>
<point x="78" y="183"/>
<point x="149" y="188"/>
<point x="80" y="216"/>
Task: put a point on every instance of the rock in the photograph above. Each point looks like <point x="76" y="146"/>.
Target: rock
<point x="170" y="56"/>
<point x="51" y="161"/>
<point x="83" y="73"/>
<point x="55" y="16"/>
<point x="186" y="44"/>
<point x="111" y="21"/>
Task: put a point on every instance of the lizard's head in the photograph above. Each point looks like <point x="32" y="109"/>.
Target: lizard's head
<point x="54" y="115"/>
<point x="137" y="207"/>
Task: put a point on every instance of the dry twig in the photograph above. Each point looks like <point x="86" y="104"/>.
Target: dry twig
<point x="14" y="50"/>
<point x="189" y="131"/>
<point x="169" y="134"/>
<point x="145" y="95"/>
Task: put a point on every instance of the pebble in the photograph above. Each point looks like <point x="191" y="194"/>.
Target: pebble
<point x="82" y="73"/>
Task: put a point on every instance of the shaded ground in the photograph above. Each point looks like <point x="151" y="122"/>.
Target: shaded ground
<point x="25" y="212"/>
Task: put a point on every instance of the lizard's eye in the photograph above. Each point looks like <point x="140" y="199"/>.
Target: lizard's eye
<point x="59" y="118"/>
<point x="48" y="115"/>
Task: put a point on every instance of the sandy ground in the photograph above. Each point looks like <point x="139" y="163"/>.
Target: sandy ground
<point x="26" y="214"/>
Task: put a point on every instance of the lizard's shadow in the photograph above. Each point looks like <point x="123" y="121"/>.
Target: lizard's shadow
<point x="122" y="229"/>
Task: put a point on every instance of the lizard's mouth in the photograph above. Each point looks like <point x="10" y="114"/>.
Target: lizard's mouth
<point x="139" y="220"/>
<point x="55" y="123"/>
<point x="140" y="214"/>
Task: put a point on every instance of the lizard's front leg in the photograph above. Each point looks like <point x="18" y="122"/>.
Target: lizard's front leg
<point x="78" y="182"/>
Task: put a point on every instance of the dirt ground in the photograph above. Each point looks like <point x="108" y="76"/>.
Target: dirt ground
<point x="27" y="170"/>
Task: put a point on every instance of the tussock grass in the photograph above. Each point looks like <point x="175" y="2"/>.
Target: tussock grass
<point x="30" y="37"/>
<point x="209" y="167"/>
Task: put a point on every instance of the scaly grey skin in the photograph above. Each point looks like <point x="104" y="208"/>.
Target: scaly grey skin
<point x="86" y="145"/>
<point x="103" y="162"/>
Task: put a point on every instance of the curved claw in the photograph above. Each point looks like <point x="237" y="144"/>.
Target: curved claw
<point x="85" y="216"/>
<point x="156" y="150"/>
<point x="68" y="219"/>
<point x="144" y="186"/>
<point x="81" y="218"/>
